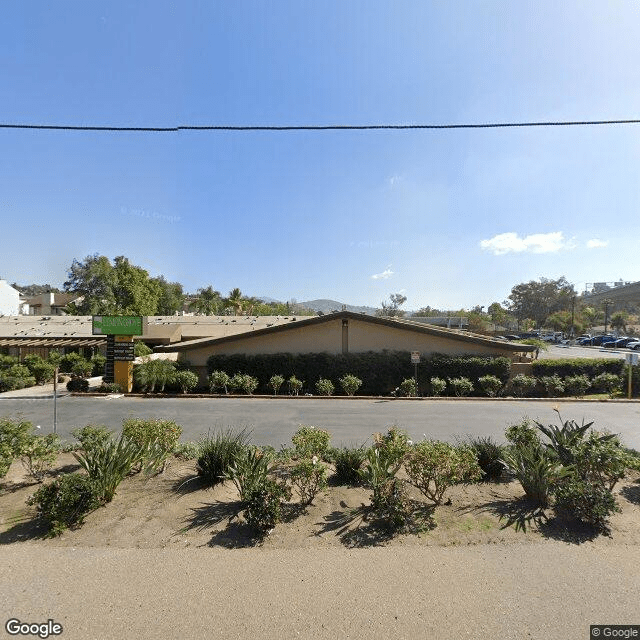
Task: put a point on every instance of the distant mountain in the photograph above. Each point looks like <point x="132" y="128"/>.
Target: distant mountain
<point x="327" y="306"/>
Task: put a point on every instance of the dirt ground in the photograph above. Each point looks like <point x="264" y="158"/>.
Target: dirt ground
<point x="174" y="510"/>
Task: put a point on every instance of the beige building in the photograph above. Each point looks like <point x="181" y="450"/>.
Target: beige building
<point x="346" y="332"/>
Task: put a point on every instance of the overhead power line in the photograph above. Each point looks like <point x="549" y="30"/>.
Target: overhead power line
<point x="321" y="127"/>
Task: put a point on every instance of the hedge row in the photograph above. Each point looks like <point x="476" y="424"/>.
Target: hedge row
<point x="380" y="372"/>
<point x="578" y="366"/>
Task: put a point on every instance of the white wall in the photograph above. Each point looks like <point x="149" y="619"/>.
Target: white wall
<point x="9" y="299"/>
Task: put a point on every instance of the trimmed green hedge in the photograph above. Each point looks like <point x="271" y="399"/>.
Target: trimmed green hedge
<point x="380" y="372"/>
<point x="577" y="366"/>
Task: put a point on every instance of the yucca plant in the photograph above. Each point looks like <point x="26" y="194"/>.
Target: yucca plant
<point x="535" y="469"/>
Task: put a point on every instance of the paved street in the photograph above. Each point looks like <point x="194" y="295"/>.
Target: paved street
<point x="273" y="421"/>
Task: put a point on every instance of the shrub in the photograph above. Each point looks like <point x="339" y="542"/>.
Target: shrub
<point x="186" y="380"/>
<point x="408" y="387"/>
<point x="15" y="435"/>
<point x="78" y="385"/>
<point x="348" y="463"/>
<point x="309" y="477"/>
<point x="65" y="502"/>
<point x="275" y="382"/>
<point x="219" y="453"/>
<point x="10" y="383"/>
<point x="350" y="384"/>
<point x="219" y="381"/>
<point x="39" y="454"/>
<point x="553" y="385"/>
<point x="607" y="383"/>
<point x="589" y="502"/>
<point x="295" y="385"/>
<point x="325" y="387"/>
<point x="490" y="385"/>
<point x="438" y="386"/>
<point x="82" y="368"/>
<point x="590" y="367"/>
<point x="522" y="386"/>
<point x="140" y="349"/>
<point x="434" y="466"/>
<point x="41" y="370"/>
<point x="68" y="360"/>
<point x="309" y="441"/>
<point x="243" y="382"/>
<point x="156" y="438"/>
<point x="92" y="435"/>
<point x="109" y="387"/>
<point x="153" y="373"/>
<point x="393" y="445"/>
<point x="522" y="434"/>
<point x="264" y="506"/>
<point x="577" y="385"/>
<point x="461" y="386"/>
<point x="187" y="450"/>
<point x="98" y="361"/>
<point x="489" y="454"/>
<point x="564" y="439"/>
<point x="109" y="463"/>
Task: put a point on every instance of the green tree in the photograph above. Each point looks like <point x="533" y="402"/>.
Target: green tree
<point x="121" y="288"/>
<point x="619" y="321"/>
<point x="171" y="297"/>
<point x="208" y="302"/>
<point x="235" y="300"/>
<point x="498" y="314"/>
<point x="538" y="299"/>
<point x="392" y="308"/>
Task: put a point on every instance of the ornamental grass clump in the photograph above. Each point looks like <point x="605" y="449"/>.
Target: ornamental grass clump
<point x="110" y="462"/>
<point x="434" y="466"/>
<point x="348" y="462"/>
<point x="218" y="453"/>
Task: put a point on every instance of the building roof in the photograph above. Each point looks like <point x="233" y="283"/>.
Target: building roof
<point x="396" y="323"/>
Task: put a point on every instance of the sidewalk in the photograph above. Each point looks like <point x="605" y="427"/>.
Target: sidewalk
<point x="538" y="591"/>
<point x="46" y="390"/>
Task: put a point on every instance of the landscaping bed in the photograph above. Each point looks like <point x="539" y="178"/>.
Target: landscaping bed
<point x="169" y="510"/>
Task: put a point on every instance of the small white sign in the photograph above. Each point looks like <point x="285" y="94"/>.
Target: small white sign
<point x="632" y="358"/>
<point x="415" y="357"/>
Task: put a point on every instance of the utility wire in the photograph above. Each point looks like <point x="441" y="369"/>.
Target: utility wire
<point x="328" y="127"/>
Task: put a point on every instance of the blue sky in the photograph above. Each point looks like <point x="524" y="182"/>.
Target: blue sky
<point x="450" y="218"/>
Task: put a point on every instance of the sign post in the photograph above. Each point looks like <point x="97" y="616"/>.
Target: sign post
<point x="120" y="347"/>
<point x="415" y="359"/>
<point x="632" y="359"/>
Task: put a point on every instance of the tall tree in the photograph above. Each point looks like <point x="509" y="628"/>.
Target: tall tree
<point x="392" y="308"/>
<point x="208" y="302"/>
<point x="235" y="300"/>
<point x="171" y="297"/>
<point x="539" y="298"/>
<point x="121" y="288"/>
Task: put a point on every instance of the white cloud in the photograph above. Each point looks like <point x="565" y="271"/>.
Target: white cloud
<point x="534" y="243"/>
<point x="385" y="275"/>
<point x="596" y="243"/>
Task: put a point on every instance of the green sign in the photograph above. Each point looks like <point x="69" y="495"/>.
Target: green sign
<point x="117" y="325"/>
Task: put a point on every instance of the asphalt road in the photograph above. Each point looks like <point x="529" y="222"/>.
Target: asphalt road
<point x="273" y="421"/>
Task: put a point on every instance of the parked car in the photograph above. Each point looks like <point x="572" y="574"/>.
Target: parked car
<point x="635" y="345"/>
<point x="598" y="341"/>
<point x="624" y="341"/>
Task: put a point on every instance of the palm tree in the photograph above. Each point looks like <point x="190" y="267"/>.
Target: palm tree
<point x="208" y="301"/>
<point x="235" y="300"/>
